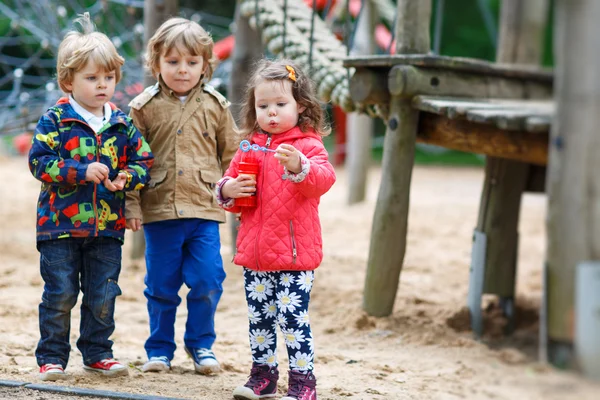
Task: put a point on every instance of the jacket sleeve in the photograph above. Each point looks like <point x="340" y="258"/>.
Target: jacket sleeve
<point x="45" y="161"/>
<point x="321" y="175"/>
<point x="133" y="207"/>
<point x="227" y="138"/>
<point x="139" y="160"/>
<point x="231" y="173"/>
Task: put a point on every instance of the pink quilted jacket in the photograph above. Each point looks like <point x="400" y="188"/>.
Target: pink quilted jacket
<point x="283" y="231"/>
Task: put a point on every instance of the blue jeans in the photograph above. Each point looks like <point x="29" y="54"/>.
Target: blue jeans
<point x="177" y="252"/>
<point x="68" y="265"/>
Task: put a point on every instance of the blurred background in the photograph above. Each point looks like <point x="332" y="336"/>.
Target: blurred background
<point x="31" y="30"/>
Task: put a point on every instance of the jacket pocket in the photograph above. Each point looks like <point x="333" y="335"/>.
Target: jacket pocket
<point x="156" y="177"/>
<point x="150" y="193"/>
<point x="209" y="177"/>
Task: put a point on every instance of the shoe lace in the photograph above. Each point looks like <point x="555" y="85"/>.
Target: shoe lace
<point x="257" y="375"/>
<point x="300" y="386"/>
<point x="204" y="353"/>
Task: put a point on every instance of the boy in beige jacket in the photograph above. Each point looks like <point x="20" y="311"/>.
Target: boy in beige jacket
<point x="194" y="137"/>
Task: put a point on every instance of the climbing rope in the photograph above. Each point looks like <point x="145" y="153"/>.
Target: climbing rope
<point x="327" y="54"/>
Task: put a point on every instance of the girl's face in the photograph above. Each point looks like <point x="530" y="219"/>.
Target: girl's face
<point x="181" y="71"/>
<point x="275" y="106"/>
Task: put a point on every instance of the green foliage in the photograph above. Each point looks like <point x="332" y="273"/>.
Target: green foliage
<point x="463" y="30"/>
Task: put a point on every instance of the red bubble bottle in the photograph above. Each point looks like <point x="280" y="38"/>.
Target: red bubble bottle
<point x="248" y="166"/>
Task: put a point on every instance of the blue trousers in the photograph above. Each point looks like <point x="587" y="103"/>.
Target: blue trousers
<point x="280" y="299"/>
<point x="177" y="252"/>
<point x="68" y="265"/>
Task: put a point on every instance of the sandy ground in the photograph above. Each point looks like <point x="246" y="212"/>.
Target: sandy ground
<point x="423" y="351"/>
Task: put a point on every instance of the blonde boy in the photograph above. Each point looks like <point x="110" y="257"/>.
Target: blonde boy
<point x="87" y="153"/>
<point x="190" y="128"/>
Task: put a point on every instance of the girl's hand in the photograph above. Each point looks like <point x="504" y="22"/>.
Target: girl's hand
<point x="289" y="157"/>
<point x="117" y="184"/>
<point x="242" y="186"/>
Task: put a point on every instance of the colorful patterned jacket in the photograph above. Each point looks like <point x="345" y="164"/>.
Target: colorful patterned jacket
<point x="63" y="146"/>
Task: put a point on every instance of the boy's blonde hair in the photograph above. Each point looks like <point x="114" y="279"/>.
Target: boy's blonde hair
<point x="78" y="48"/>
<point x="180" y="34"/>
<point x="302" y="90"/>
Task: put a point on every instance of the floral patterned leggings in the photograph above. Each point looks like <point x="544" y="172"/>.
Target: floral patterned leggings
<point x="280" y="299"/>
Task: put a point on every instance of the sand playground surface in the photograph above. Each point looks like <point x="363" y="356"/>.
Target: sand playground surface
<point x="424" y="350"/>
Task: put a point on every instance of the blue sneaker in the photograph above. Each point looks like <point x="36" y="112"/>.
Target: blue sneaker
<point x="157" y="364"/>
<point x="205" y="362"/>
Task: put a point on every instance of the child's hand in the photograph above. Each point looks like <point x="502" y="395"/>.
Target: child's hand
<point x="289" y="157"/>
<point x="242" y="186"/>
<point x="116" y="184"/>
<point x="96" y="172"/>
<point x="135" y="224"/>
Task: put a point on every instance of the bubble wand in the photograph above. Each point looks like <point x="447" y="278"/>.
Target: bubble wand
<point x="246" y="146"/>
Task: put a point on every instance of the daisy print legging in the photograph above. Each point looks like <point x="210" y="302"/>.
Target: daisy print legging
<point x="280" y="299"/>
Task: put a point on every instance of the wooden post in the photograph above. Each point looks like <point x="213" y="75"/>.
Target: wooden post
<point x="521" y="36"/>
<point x="247" y="50"/>
<point x="573" y="223"/>
<point x="390" y="222"/>
<point x="360" y="126"/>
<point x="155" y="13"/>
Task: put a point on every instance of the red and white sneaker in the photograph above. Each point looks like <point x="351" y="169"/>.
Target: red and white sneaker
<point x="52" y="372"/>
<point x="108" y="367"/>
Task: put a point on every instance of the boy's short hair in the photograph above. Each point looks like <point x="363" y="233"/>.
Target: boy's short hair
<point x="77" y="48"/>
<point x="180" y="33"/>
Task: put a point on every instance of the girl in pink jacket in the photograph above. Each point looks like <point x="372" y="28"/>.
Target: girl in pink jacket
<point x="279" y="241"/>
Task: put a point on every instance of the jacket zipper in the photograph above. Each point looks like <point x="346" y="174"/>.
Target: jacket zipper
<point x="98" y="144"/>
<point x="262" y="177"/>
<point x="97" y="160"/>
<point x="294" y="251"/>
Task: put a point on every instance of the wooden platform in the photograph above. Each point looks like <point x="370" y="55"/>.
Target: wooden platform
<point x="511" y="129"/>
<point x="462" y="64"/>
<point x="469" y="105"/>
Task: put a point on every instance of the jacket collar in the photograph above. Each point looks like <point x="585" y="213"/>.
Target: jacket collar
<point x="68" y="113"/>
<point x="261" y="137"/>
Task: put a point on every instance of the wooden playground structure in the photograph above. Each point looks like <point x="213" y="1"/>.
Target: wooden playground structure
<point x="536" y="129"/>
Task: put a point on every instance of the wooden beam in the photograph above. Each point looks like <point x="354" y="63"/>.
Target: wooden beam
<point x="409" y="81"/>
<point x="520" y="43"/>
<point x="458" y="64"/>
<point x="360" y="127"/>
<point x="370" y="86"/>
<point x="573" y="223"/>
<point x="472" y="137"/>
<point x="390" y="220"/>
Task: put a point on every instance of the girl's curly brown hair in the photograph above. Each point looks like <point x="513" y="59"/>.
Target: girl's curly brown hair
<point x="302" y="90"/>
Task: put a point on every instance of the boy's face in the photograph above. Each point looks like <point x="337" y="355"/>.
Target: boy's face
<point x="92" y="87"/>
<point x="181" y="71"/>
<point x="276" y="109"/>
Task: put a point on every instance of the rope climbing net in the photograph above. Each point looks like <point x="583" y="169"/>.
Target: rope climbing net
<point x="328" y="52"/>
<point x="31" y="31"/>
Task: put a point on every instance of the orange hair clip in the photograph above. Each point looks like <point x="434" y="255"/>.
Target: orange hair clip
<point x="292" y="72"/>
